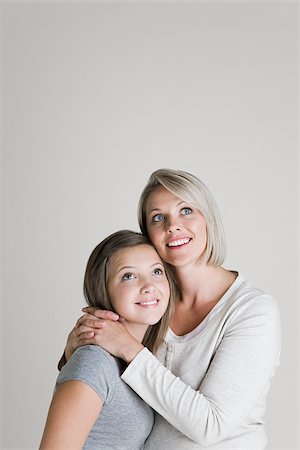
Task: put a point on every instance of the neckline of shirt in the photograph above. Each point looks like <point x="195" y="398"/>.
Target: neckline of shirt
<point x="171" y="336"/>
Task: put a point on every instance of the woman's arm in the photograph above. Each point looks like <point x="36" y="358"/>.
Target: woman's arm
<point x="236" y="379"/>
<point x="73" y="411"/>
<point x="84" y="331"/>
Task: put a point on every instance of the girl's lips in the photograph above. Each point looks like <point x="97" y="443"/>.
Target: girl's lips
<point x="152" y="302"/>
<point x="175" y="243"/>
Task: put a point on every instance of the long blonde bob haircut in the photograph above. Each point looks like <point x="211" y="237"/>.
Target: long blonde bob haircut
<point x="193" y="191"/>
<point x="97" y="276"/>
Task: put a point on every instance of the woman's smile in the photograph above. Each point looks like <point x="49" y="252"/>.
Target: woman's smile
<point x="176" y="228"/>
<point x="178" y="243"/>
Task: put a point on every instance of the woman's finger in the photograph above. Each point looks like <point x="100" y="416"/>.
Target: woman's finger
<point x="92" y="323"/>
<point x="84" y="336"/>
<point x="100" y="313"/>
<point x="88" y="327"/>
<point x="85" y="339"/>
<point x="82" y="319"/>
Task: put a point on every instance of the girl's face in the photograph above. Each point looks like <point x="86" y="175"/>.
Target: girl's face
<point x="138" y="287"/>
<point x="176" y="228"/>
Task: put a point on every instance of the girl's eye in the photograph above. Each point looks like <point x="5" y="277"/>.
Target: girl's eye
<point x="158" y="218"/>
<point x="186" y="211"/>
<point x="158" y="271"/>
<point x="128" y="276"/>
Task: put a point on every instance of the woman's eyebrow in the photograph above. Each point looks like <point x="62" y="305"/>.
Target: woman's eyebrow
<point x="154" y="209"/>
<point x="159" y="209"/>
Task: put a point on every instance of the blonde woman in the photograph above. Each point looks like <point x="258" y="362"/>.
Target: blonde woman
<point x="93" y="408"/>
<point x="209" y="380"/>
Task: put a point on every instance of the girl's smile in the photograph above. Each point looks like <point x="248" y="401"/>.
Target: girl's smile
<point x="138" y="287"/>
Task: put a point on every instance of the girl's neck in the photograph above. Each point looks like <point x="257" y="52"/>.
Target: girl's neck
<point x="136" y="330"/>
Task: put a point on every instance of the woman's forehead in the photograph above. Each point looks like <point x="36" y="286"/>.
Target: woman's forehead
<point x="161" y="197"/>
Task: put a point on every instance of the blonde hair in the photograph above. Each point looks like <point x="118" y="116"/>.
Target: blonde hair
<point x="97" y="276"/>
<point x="190" y="189"/>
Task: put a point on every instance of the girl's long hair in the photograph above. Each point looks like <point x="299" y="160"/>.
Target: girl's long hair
<point x="97" y="275"/>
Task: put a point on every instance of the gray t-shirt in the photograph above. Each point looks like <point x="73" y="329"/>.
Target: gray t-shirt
<point x="125" y="420"/>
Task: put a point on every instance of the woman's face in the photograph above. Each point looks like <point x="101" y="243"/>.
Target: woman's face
<point x="176" y="228"/>
<point x="138" y="287"/>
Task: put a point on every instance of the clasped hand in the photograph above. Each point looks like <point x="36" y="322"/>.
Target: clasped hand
<point x="106" y="329"/>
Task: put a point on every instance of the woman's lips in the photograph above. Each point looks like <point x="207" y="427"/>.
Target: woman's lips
<point x="175" y="243"/>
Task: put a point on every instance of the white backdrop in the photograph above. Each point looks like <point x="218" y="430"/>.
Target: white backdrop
<point x="95" y="97"/>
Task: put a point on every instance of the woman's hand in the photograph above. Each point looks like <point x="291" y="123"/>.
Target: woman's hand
<point x="103" y="328"/>
<point x="115" y="339"/>
<point x="86" y="328"/>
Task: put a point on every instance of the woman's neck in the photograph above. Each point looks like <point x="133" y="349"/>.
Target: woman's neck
<point x="203" y="283"/>
<point x="201" y="289"/>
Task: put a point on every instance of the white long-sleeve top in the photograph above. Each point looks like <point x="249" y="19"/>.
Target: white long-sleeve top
<point x="209" y="386"/>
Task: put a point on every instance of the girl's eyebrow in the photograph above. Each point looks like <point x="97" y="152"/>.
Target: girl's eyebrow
<point x="135" y="267"/>
<point x="126" y="267"/>
<point x="158" y="262"/>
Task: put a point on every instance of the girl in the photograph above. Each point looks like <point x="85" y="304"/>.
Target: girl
<point x="210" y="378"/>
<point x="92" y="408"/>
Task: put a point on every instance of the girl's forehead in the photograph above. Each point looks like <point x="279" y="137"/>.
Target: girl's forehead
<point x="137" y="254"/>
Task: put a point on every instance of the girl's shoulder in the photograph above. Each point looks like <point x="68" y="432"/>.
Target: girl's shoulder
<point x="93" y="366"/>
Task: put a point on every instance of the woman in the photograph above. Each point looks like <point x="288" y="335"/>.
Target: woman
<point x="124" y="274"/>
<point x="210" y="377"/>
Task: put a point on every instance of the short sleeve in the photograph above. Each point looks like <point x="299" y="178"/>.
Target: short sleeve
<point x="91" y="365"/>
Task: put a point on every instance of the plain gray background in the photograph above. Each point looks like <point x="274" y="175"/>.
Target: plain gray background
<point x="95" y="97"/>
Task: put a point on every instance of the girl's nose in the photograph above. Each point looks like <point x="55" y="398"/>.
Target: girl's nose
<point x="147" y="288"/>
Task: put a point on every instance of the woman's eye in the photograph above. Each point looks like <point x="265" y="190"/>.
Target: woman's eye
<point x="158" y="271"/>
<point x="186" y="211"/>
<point x="158" y="218"/>
<point x="128" y="276"/>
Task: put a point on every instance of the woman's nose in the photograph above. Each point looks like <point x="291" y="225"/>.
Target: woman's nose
<point x="172" y="226"/>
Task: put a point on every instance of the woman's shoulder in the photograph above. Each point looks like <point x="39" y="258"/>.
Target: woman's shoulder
<point x="246" y="289"/>
<point x="248" y="299"/>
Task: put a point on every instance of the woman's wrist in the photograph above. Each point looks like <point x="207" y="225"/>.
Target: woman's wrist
<point x="61" y="362"/>
<point x="130" y="352"/>
<point x="68" y="353"/>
